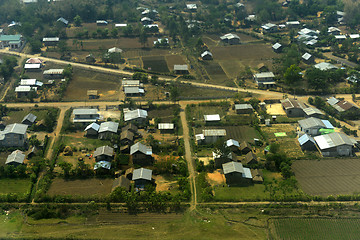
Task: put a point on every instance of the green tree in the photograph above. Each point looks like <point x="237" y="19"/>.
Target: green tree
<point x="77" y="21"/>
<point x="174" y="93"/>
<point x="143" y="37"/>
<point x="317" y="79"/>
<point x="292" y="74"/>
<point x="66" y="167"/>
<point x="114" y="33"/>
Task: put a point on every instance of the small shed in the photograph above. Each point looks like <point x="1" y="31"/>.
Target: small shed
<point x="308" y="58"/>
<point x="243" y="108"/>
<point x="16" y="158"/>
<point x="29" y="119"/>
<point x="104" y="153"/>
<point x="277" y="47"/>
<point x="206" y="55"/>
<point x="142" y="177"/>
<point x="141" y="154"/>
<point x="250" y="159"/>
<point x="126" y="137"/>
<point x="233" y="145"/>
<point x="257" y="175"/>
<point x="181" y="69"/>
<point x="307" y="143"/>
<point x="122" y="182"/>
<point x="92" y="94"/>
<point x="166" y="128"/>
<point x="130" y="127"/>
<point x="108" y="129"/>
<point x="92" y="129"/>
<point x="245" y="147"/>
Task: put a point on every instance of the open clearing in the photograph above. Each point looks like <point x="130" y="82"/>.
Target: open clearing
<point x="239" y="133"/>
<point x="157" y="64"/>
<point x="108" y="85"/>
<point x="328" y="176"/>
<point x="87" y="187"/>
<point x="8" y="185"/>
<point x="315" y="228"/>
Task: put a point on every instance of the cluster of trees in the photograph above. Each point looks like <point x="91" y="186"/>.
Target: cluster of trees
<point x="322" y="80"/>
<point x="277" y="160"/>
<point x="7" y="67"/>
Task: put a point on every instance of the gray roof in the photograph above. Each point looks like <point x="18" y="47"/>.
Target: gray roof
<point x="30" y="117"/>
<point x="231" y="167"/>
<point x="53" y="71"/>
<point x="229" y="36"/>
<point x="104" y="150"/>
<point x="165" y="126"/>
<point x="138" y="113"/>
<point x="63" y="20"/>
<point x="305" y="138"/>
<point x="214" y="132"/>
<point x="334" y="139"/>
<point x="94" y="126"/>
<point x="206" y="53"/>
<point x="306" y="56"/>
<point x="139" y="147"/>
<point x="102" y="164"/>
<point x="109" y="127"/>
<point x="85" y="111"/>
<point x="16" y="156"/>
<point x="212" y="118"/>
<point x="243" y="106"/>
<point x="142" y="173"/>
<point x="131" y="90"/>
<point x="311" y="111"/>
<point x="323" y="66"/>
<point x="17" y="128"/>
<point x="315" y="122"/>
<point x="332" y="101"/>
<point x="51" y="39"/>
<point x="276" y="46"/>
<point x="264" y="75"/>
<point x="183" y="67"/>
<point x="232" y="142"/>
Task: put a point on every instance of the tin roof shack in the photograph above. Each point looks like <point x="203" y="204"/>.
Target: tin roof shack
<point x="121" y="182"/>
<point x="29" y="119"/>
<point x="138" y="116"/>
<point x="230" y="38"/>
<point x="181" y="69"/>
<point x="31" y="82"/>
<point x="142" y="177"/>
<point x="308" y="58"/>
<point x="130" y="83"/>
<point x="14" y="135"/>
<point x="245" y="147"/>
<point x="233" y="145"/>
<point x="312" y="125"/>
<point x="257" y="175"/>
<point x="212" y="119"/>
<point x="345" y="106"/>
<point x="265" y="79"/>
<point x="102" y="167"/>
<point x="53" y="73"/>
<point x="92" y="130"/>
<point x="166" y="128"/>
<point x="307" y="143"/>
<point x="220" y="159"/>
<point x="206" y="55"/>
<point x="126" y="137"/>
<point x="108" y="129"/>
<point x="104" y="153"/>
<point x="313" y="112"/>
<point x="32" y="67"/>
<point x="134" y="91"/>
<point x="50" y="41"/>
<point x="212" y="135"/>
<point x="23" y="91"/>
<point x="130" y="127"/>
<point x="277" y="47"/>
<point x="250" y="159"/>
<point x="85" y="115"/>
<point x="92" y="94"/>
<point x="16" y="158"/>
<point x="293" y="107"/>
<point x="269" y="28"/>
<point x="244" y="108"/>
<point x="141" y="154"/>
<point x="335" y="144"/>
<point x="101" y="22"/>
<point x="236" y="174"/>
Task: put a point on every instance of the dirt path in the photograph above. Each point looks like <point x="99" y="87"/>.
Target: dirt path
<point x="56" y="133"/>
<point x="188" y="158"/>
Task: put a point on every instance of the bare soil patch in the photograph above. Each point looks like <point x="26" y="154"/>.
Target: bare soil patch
<point x="85" y="187"/>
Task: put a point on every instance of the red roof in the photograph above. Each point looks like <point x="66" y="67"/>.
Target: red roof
<point x="33" y="60"/>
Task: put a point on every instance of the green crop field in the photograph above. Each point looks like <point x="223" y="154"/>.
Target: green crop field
<point x="315" y="228"/>
<point x="157" y="64"/>
<point x="14" y="185"/>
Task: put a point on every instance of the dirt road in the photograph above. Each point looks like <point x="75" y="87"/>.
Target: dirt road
<point x="55" y="135"/>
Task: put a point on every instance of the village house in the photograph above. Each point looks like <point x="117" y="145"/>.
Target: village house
<point x="85" y="115"/>
<point x="257" y="175"/>
<point x="292" y="24"/>
<point x="131" y="83"/>
<point x="115" y="50"/>
<point x="31" y="83"/>
<point x="166" y="128"/>
<point x="92" y="94"/>
<point x="265" y="79"/>
<point x="92" y="130"/>
<point x="13" y="42"/>
<point x="293" y="107"/>
<point x="126" y="137"/>
<point x="206" y="55"/>
<point x="342" y="106"/>
<point x="108" y="129"/>
<point x="245" y="147"/>
<point x="308" y="58"/>
<point x="324" y="66"/>
<point x="250" y="159"/>
<point x="233" y="145"/>
<point x="101" y="23"/>
<point x="146" y="21"/>
<point x="102" y="165"/>
<point x="236" y="174"/>
<point x="138" y="116"/>
<point x="230" y="38"/>
<point x="133" y="91"/>
<point x="269" y="28"/>
<point x="16" y="158"/>
<point x="277" y="47"/>
<point x="34" y="61"/>
<point x="335" y="144"/>
<point x="191" y="7"/>
<point x="14" y="135"/>
<point x="312" y="125"/>
<point x="130" y="127"/>
<point x="213" y="118"/>
<point x="29" y="119"/>
<point x="142" y="177"/>
<point x="53" y="73"/>
<point x="313" y="112"/>
<point x="141" y="154"/>
<point x="244" y="108"/>
<point x="181" y="69"/>
<point x="23" y="91"/>
<point x="334" y="31"/>
<point x="307" y="143"/>
<point x="63" y="20"/>
<point x="104" y="153"/>
<point x="50" y="41"/>
<point x="33" y="67"/>
<point x="212" y="135"/>
<point x="122" y="182"/>
<point x="221" y="159"/>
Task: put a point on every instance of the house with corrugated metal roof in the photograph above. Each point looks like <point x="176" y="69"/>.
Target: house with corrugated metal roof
<point x="85" y="115"/>
<point x="233" y="145"/>
<point x="166" y="128"/>
<point x="138" y="116"/>
<point x="104" y="153"/>
<point x="220" y="159"/>
<point x="126" y="137"/>
<point x="212" y="135"/>
<point x="257" y="175"/>
<point x="92" y="129"/>
<point x="14" y="135"/>
<point x="335" y="144"/>
<point x="212" y="118"/>
<point x="29" y="119"/>
<point x="141" y="154"/>
<point x="265" y="79"/>
<point x="293" y="107"/>
<point x="244" y="108"/>
<point x="250" y="159"/>
<point x="11" y="41"/>
<point x="181" y="69"/>
<point x="108" y="129"/>
<point x="16" y="158"/>
<point x="236" y="174"/>
<point x="142" y="177"/>
<point x="307" y="142"/>
<point x="312" y="125"/>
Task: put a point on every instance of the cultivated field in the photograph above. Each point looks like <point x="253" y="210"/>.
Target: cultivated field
<point x="328" y="176"/>
<point x="157" y="64"/>
<point x="18" y="115"/>
<point x="217" y="74"/>
<point x="165" y="114"/>
<point x="87" y="187"/>
<point x="14" y="185"/>
<point x="108" y="85"/>
<point x="315" y="228"/>
<point x="239" y="133"/>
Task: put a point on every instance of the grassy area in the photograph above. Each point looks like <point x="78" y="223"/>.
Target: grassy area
<point x="316" y="228"/>
<point x="14" y="185"/>
<point x="191" y="92"/>
<point x="83" y="142"/>
<point x="253" y="193"/>
<point x="205" y="224"/>
<point x="16" y="116"/>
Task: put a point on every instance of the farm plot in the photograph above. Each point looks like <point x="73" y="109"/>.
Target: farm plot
<point x="328" y="177"/>
<point x="86" y="187"/>
<point x="157" y="64"/>
<point x="239" y="133"/>
<point x="91" y="27"/>
<point x="108" y="85"/>
<point x="165" y="114"/>
<point x="191" y="92"/>
<point x="217" y="74"/>
<point x="289" y="143"/>
<point x="315" y="228"/>
<point x="172" y="60"/>
<point x="197" y="112"/>
<point x="14" y="185"/>
<point x="133" y="53"/>
<point x="17" y="115"/>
